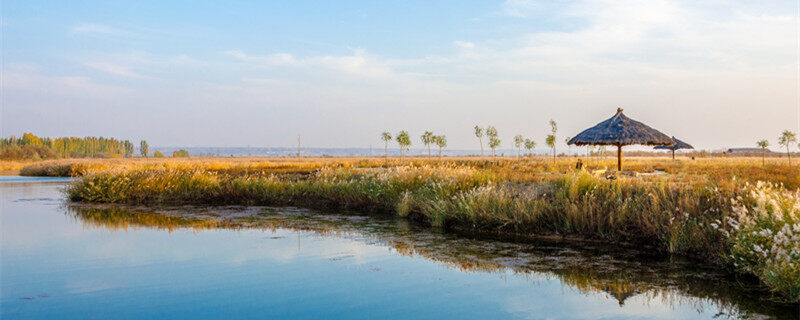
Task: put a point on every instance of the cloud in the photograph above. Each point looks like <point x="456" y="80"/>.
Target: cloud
<point x="519" y="8"/>
<point x="358" y="64"/>
<point x="114" y="69"/>
<point x="97" y="29"/>
<point x="71" y="86"/>
<point x="464" y="44"/>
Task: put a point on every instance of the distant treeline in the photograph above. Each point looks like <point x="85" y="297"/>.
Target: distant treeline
<point x="29" y="146"/>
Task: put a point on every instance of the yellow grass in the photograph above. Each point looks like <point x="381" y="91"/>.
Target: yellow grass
<point x="723" y="172"/>
<point x="679" y="206"/>
<point x="14" y="165"/>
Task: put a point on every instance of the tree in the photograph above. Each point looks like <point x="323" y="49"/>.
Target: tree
<point x="182" y="153"/>
<point x="404" y="140"/>
<point x="128" y="148"/>
<point x="479" y="134"/>
<point x="386" y="137"/>
<point x="494" y="141"/>
<point x="158" y="154"/>
<point x="763" y="144"/>
<point x="569" y="147"/>
<point x="552" y="144"/>
<point x="144" y="148"/>
<point x="519" y="142"/>
<point x="427" y="140"/>
<point x="529" y="145"/>
<point x="787" y="138"/>
<point x="441" y="142"/>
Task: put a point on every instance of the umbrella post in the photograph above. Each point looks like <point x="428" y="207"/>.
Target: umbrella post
<point x="619" y="157"/>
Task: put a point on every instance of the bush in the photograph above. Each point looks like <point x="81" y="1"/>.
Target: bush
<point x="180" y="153"/>
<point x="29" y="152"/>
<point x="158" y="154"/>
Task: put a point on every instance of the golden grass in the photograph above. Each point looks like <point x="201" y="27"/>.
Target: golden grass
<point x="14" y="165"/>
<point x="722" y="172"/>
<point x="685" y="210"/>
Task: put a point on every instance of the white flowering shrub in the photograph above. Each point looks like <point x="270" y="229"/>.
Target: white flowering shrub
<point x="764" y="234"/>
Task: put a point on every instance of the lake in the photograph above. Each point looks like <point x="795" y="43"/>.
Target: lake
<point x="77" y="262"/>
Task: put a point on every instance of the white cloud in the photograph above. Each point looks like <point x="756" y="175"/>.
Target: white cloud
<point x="71" y="86"/>
<point x="358" y="64"/>
<point x="98" y="29"/>
<point x="114" y="69"/>
<point x="519" y="8"/>
<point x="464" y="44"/>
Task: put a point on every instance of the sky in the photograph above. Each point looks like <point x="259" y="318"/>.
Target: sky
<point x="716" y="74"/>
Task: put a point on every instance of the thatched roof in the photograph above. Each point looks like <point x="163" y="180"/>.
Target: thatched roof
<point x="621" y="130"/>
<point x="678" y="145"/>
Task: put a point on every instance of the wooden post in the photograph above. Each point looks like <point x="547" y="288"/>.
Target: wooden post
<point x="673" y="154"/>
<point x="619" y="157"/>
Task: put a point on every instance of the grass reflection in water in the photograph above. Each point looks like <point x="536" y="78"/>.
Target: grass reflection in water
<point x="587" y="267"/>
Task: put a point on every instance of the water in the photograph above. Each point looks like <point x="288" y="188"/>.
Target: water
<point x="61" y="261"/>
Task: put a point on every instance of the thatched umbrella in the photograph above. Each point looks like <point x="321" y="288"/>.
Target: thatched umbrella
<point x="677" y="146"/>
<point x="620" y="131"/>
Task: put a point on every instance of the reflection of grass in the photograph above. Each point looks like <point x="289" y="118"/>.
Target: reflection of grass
<point x="590" y="269"/>
<point x="115" y="218"/>
<point x="674" y="213"/>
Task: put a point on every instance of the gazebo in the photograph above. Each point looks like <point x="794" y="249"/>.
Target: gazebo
<point x="620" y="131"/>
<point x="677" y="146"/>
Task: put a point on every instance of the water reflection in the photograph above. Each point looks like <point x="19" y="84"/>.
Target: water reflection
<point x="589" y="268"/>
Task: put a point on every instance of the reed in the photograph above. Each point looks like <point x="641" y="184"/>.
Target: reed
<point x="722" y="172"/>
<point x="671" y="213"/>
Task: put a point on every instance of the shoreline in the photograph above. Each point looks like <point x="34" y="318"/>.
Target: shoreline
<point x="674" y="214"/>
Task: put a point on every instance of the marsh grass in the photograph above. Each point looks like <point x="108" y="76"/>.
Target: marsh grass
<point x="676" y="213"/>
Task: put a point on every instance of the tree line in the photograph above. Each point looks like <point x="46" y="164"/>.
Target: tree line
<point x="429" y="139"/>
<point x="30" y="146"/>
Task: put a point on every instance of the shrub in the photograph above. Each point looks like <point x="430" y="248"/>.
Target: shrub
<point x="180" y="153"/>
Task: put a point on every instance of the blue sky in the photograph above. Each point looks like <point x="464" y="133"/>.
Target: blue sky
<point x="236" y="73"/>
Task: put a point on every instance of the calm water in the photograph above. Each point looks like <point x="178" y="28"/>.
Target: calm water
<point x="104" y="262"/>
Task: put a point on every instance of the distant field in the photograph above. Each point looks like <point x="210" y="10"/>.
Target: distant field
<point x="717" y="170"/>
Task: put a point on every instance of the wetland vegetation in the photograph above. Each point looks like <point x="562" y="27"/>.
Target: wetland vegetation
<point x="734" y="213"/>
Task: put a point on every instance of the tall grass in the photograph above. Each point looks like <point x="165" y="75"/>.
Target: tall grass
<point x="668" y="214"/>
<point x="726" y="173"/>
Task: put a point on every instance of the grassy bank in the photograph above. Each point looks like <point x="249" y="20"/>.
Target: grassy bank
<point x="722" y="172"/>
<point x="751" y="227"/>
